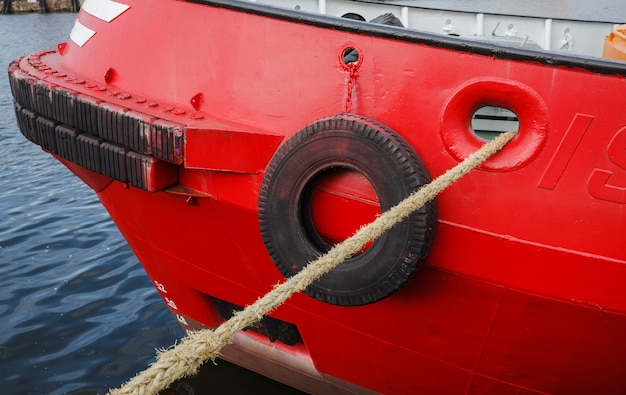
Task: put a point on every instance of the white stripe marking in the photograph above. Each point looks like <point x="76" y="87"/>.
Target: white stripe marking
<point x="80" y="34"/>
<point x="106" y="10"/>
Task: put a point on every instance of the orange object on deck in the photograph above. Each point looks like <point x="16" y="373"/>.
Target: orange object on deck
<point x="615" y="44"/>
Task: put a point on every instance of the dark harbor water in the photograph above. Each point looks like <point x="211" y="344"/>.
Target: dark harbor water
<point x="78" y="314"/>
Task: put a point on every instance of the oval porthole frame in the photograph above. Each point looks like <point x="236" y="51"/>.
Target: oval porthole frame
<point x="460" y="140"/>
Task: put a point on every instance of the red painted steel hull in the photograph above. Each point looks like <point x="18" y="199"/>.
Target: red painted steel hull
<point x="523" y="289"/>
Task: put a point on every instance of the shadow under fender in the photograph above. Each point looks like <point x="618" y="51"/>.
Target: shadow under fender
<point x="386" y="160"/>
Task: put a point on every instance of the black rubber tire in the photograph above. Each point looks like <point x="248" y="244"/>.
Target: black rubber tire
<point x="394" y="170"/>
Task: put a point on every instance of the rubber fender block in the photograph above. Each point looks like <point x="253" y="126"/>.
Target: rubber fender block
<point x="88" y="152"/>
<point x="42" y="99"/>
<point x="21" y="88"/>
<point x="111" y="121"/>
<point x="148" y="173"/>
<point x="46" y="134"/>
<point x="86" y="114"/>
<point x="113" y="161"/>
<point x="63" y="105"/>
<point x="136" y="131"/>
<point x="27" y="122"/>
<point x="166" y="141"/>
<point x="66" y="143"/>
<point x="21" y="121"/>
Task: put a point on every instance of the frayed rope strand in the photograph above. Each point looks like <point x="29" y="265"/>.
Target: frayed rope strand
<point x="186" y="357"/>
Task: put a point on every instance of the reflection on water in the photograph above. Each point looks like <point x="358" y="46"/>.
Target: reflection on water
<point x="78" y="314"/>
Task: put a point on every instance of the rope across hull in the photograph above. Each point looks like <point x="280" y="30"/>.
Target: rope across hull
<point x="173" y="120"/>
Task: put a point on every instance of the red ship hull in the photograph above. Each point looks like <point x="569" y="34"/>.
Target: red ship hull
<point x="522" y="291"/>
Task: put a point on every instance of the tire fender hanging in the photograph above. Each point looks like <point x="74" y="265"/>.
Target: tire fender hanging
<point x="394" y="170"/>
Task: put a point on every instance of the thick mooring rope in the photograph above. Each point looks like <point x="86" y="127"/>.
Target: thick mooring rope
<point x="186" y="357"/>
